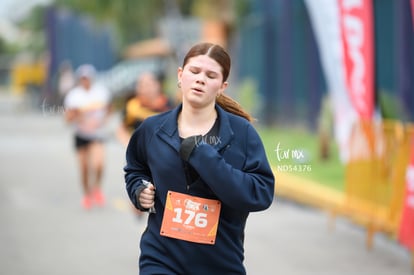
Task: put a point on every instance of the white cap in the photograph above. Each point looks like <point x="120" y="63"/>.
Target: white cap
<point x="86" y="70"/>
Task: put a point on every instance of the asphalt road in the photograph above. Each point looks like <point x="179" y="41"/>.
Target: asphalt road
<point x="44" y="230"/>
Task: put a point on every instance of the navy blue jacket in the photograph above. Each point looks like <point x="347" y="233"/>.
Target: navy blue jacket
<point x="235" y="171"/>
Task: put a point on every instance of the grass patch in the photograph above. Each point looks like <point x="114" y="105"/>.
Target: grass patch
<point x="297" y="151"/>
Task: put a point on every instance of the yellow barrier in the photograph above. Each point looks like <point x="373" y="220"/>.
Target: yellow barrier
<point x="375" y="177"/>
<point x="24" y="74"/>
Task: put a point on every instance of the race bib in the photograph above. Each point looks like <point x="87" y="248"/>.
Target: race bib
<point x="190" y="218"/>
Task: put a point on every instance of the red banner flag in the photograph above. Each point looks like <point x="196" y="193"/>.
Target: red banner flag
<point x="358" y="54"/>
<point x="412" y="9"/>
<point x="406" y="234"/>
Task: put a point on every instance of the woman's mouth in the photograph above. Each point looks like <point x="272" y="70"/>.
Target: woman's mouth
<point x="197" y="90"/>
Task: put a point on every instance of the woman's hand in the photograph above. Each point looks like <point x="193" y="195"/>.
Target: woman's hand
<point x="146" y="197"/>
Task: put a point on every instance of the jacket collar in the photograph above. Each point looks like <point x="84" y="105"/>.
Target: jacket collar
<point x="169" y="129"/>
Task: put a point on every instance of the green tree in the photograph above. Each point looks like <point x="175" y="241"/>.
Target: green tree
<point x="137" y="19"/>
<point x="3" y="47"/>
<point x="133" y="20"/>
<point x="33" y="25"/>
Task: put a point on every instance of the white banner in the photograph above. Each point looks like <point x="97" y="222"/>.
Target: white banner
<point x="324" y="16"/>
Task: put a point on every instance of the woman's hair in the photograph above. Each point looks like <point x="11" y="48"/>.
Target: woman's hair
<point x="217" y="53"/>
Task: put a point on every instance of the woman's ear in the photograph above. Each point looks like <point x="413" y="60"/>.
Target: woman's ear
<point x="179" y="73"/>
<point x="222" y="88"/>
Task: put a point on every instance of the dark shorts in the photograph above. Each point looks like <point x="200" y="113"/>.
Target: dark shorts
<point x="82" y="142"/>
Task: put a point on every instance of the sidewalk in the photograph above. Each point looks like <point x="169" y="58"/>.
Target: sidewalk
<point x="44" y="230"/>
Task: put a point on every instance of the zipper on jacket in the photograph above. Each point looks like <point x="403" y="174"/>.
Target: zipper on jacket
<point x="187" y="175"/>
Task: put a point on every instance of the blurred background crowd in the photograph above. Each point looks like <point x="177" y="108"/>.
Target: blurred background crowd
<point x="277" y="66"/>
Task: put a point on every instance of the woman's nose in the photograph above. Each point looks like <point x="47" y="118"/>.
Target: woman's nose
<point x="201" y="79"/>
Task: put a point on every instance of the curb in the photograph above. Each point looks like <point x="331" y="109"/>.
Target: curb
<point x="307" y="192"/>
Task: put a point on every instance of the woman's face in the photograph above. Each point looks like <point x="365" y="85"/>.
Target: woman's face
<point x="148" y="88"/>
<point x="201" y="81"/>
<point x="85" y="82"/>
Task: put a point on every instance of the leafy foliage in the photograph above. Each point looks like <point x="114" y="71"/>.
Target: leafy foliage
<point x="135" y="20"/>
